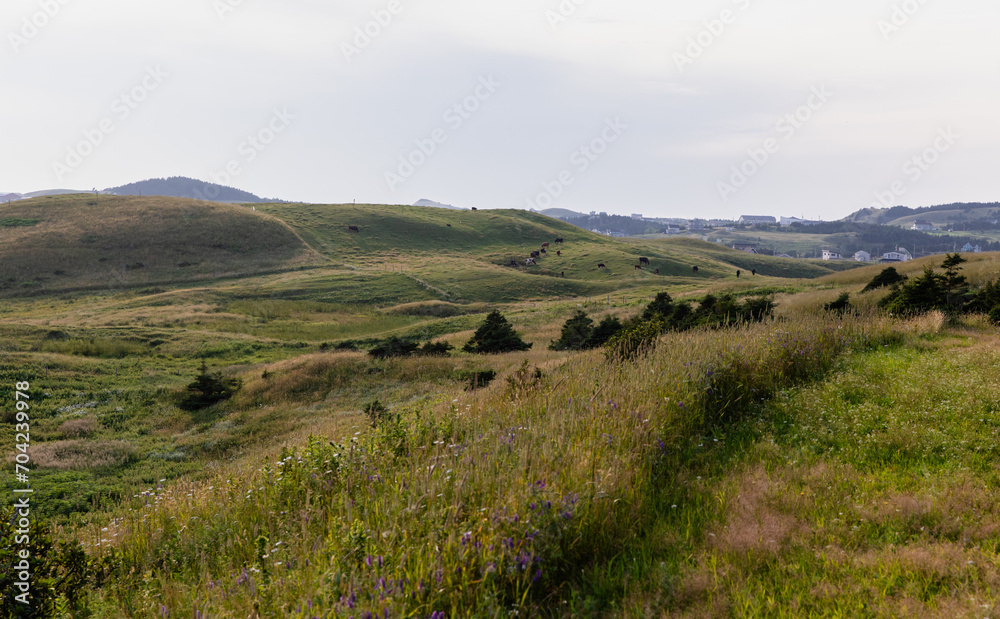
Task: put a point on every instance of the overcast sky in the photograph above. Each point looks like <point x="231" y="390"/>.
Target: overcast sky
<point x="683" y="108"/>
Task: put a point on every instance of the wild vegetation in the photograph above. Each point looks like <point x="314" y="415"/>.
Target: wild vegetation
<point x="750" y="455"/>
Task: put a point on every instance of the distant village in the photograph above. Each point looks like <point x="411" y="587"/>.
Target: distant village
<point x="704" y="227"/>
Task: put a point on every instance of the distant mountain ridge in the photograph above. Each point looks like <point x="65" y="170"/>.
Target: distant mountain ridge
<point x="183" y="187"/>
<point x="433" y="204"/>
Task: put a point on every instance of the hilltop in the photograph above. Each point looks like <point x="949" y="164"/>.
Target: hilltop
<point x="183" y="187"/>
<point x="85" y="241"/>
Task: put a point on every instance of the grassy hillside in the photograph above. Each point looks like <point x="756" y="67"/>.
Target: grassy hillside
<point x="84" y="241"/>
<point x="814" y="465"/>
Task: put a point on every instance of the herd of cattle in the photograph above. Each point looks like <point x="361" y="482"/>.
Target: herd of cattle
<point x="536" y="255"/>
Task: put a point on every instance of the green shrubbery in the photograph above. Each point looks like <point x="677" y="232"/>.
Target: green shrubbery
<point x="579" y="332"/>
<point x="495" y="335"/>
<point x="208" y="389"/>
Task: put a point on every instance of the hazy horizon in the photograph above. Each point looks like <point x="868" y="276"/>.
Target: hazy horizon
<point x="694" y="110"/>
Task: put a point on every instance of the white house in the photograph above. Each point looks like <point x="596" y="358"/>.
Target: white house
<point x="900" y="255"/>
<point x="750" y="248"/>
<point x="787" y="221"/>
<point x="831" y="255"/>
<point x="862" y="256"/>
<point x="923" y="226"/>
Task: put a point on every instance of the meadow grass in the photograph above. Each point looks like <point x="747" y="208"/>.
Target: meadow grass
<point x="484" y="503"/>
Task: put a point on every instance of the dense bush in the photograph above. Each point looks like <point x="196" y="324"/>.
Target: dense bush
<point x="933" y="291"/>
<point x="475" y="379"/>
<point x="579" y="332"/>
<point x="888" y="277"/>
<point x="208" y="389"/>
<point x="393" y="347"/>
<point x="495" y="335"/>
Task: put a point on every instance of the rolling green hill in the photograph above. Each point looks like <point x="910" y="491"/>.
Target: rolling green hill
<point x="84" y="241"/>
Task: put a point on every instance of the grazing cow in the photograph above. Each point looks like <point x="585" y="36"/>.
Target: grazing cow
<point x="529" y="262"/>
<point x="601" y="266"/>
<point x="474" y="208"/>
<point x="353" y="229"/>
<point x="559" y="240"/>
<point x="657" y="271"/>
<point x="638" y="267"/>
<point x="545" y="244"/>
<point x="738" y="273"/>
<point x="558" y="252"/>
<point x="543" y="251"/>
<point x="449" y="225"/>
<point x="513" y="262"/>
<point x="754" y="271"/>
<point x="644" y="261"/>
<point x="695" y="268"/>
<point x="536" y="254"/>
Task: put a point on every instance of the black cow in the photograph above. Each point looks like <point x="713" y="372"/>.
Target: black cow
<point x="353" y="229"/>
<point x="695" y="268"/>
<point x="754" y="271"/>
<point x="738" y="273"/>
<point x="513" y="262"/>
<point x="558" y="252"/>
<point x="474" y="208"/>
<point x="644" y="261"/>
<point x="657" y="271"/>
<point x="543" y="251"/>
<point x="559" y="240"/>
<point x="601" y="266"/>
<point x="536" y="254"/>
<point x="638" y="267"/>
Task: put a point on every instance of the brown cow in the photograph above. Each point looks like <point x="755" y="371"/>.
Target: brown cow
<point x="536" y="254"/>
<point x="638" y="267"/>
<point x="545" y="244"/>
<point x="353" y="229"/>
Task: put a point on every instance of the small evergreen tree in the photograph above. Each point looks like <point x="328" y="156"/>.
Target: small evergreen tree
<point x="576" y="332"/>
<point x="603" y="332"/>
<point x="888" y="277"/>
<point x="841" y="305"/>
<point x="208" y="389"/>
<point x="495" y="335"/>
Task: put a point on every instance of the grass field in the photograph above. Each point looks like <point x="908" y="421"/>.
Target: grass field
<point x="810" y="465"/>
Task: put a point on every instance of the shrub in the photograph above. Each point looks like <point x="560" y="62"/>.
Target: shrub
<point x="436" y="349"/>
<point x="841" y="305"/>
<point x="377" y="413"/>
<point x="634" y="341"/>
<point x="576" y="333"/>
<point x="888" y="277"/>
<point x="607" y="329"/>
<point x="208" y="389"/>
<point x="393" y="347"/>
<point x="475" y="379"/>
<point x="495" y="335"/>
